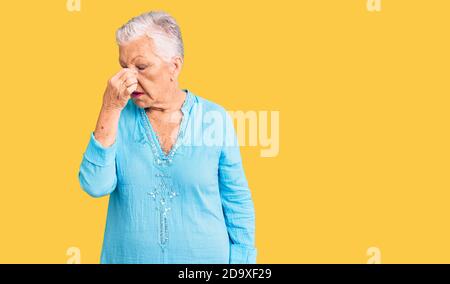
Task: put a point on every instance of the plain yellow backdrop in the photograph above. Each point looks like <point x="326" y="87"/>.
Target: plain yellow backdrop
<point x="363" y="100"/>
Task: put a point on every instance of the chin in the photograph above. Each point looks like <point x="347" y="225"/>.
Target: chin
<point x="144" y="101"/>
<point x="140" y="103"/>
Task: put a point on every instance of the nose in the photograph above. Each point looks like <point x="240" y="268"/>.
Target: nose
<point x="134" y="69"/>
<point x="139" y="88"/>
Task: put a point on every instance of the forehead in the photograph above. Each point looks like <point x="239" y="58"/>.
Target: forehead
<point x="140" y="47"/>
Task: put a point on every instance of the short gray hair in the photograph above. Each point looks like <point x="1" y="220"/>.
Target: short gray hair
<point x="160" y="27"/>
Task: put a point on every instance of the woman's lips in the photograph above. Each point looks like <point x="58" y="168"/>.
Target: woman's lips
<point x="136" y="94"/>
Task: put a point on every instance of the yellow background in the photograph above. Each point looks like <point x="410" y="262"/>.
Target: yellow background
<point x="363" y="100"/>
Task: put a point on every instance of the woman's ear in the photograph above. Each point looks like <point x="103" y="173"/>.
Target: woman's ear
<point x="177" y="63"/>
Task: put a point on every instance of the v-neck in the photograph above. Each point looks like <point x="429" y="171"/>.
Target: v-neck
<point x="160" y="155"/>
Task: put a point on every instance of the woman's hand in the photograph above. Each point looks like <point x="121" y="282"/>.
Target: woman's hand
<point x="115" y="98"/>
<point x="119" y="89"/>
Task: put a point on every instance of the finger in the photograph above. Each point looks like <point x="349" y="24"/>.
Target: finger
<point x="119" y="74"/>
<point x="123" y="75"/>
<point x="131" y="89"/>
<point x="122" y="89"/>
<point x="128" y="73"/>
<point x="130" y="81"/>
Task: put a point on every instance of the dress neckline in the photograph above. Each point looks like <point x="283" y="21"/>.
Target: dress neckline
<point x="161" y="157"/>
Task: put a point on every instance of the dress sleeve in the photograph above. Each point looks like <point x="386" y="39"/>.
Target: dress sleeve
<point x="237" y="201"/>
<point x="97" y="174"/>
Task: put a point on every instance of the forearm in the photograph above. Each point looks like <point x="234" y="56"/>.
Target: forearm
<point x="238" y="208"/>
<point x="107" y="124"/>
<point x="97" y="174"/>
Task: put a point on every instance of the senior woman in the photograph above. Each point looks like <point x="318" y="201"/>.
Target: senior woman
<point x="176" y="185"/>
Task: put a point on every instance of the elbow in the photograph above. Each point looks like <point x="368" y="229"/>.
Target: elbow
<point x="95" y="188"/>
<point x="97" y="193"/>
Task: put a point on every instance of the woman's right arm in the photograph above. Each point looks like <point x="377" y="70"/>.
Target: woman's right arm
<point x="97" y="174"/>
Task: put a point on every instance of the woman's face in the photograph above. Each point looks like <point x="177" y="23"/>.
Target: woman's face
<point x="156" y="77"/>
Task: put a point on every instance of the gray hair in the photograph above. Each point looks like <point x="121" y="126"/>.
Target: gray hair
<point x="160" y="27"/>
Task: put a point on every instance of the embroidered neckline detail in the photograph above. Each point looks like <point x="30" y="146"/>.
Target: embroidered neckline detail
<point x="161" y="158"/>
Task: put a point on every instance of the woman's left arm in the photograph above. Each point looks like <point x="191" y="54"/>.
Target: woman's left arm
<point x="237" y="202"/>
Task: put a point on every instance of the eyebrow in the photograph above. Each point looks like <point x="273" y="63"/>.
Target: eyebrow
<point x="123" y="64"/>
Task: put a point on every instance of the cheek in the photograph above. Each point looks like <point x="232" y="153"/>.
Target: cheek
<point x="154" y="79"/>
<point x="145" y="76"/>
<point x="150" y="76"/>
<point x="162" y="73"/>
<point x="145" y="80"/>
